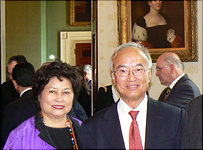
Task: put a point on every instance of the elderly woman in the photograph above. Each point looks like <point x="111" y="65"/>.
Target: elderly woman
<point x="55" y="86"/>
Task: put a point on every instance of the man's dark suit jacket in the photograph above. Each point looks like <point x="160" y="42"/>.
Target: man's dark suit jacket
<point x="17" y="112"/>
<point x="192" y="130"/>
<point x="163" y="128"/>
<point x="183" y="92"/>
<point x="85" y="101"/>
<point x="104" y="98"/>
<point x="8" y="95"/>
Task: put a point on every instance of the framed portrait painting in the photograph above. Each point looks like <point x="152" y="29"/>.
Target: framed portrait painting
<point x="172" y="29"/>
<point x="80" y="12"/>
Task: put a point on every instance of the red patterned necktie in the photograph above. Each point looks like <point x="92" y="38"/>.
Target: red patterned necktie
<point x="134" y="136"/>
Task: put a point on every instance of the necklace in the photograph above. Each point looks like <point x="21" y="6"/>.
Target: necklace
<point x="71" y="131"/>
<point x="72" y="134"/>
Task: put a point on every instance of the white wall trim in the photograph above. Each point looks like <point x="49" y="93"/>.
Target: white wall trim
<point x="67" y="44"/>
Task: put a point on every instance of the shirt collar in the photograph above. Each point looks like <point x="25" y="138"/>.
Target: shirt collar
<point x="126" y="109"/>
<point x="176" y="80"/>
<point x="25" y="91"/>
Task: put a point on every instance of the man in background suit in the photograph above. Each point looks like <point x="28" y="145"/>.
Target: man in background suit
<point x="23" y="108"/>
<point x="106" y="96"/>
<point x="192" y="129"/>
<point x="8" y="92"/>
<point x="169" y="69"/>
<point x="160" y="124"/>
<point x="88" y="74"/>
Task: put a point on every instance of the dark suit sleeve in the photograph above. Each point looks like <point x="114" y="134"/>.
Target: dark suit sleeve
<point x="180" y="129"/>
<point x="7" y="125"/>
<point x="99" y="100"/>
<point x="192" y="130"/>
<point x="181" y="96"/>
<point x="85" y="135"/>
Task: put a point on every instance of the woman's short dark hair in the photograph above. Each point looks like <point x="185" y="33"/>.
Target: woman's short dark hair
<point x="57" y="69"/>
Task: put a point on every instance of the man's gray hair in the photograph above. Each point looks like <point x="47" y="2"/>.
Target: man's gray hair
<point x="141" y="48"/>
<point x="87" y="68"/>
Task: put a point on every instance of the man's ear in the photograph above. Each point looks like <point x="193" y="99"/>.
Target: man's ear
<point x="172" y="68"/>
<point x="149" y="76"/>
<point x="113" y="77"/>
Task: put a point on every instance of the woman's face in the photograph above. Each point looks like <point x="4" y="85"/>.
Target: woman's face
<point x="155" y="4"/>
<point x="56" y="99"/>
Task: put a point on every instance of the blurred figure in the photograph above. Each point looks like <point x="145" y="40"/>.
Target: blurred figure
<point x="23" y="108"/>
<point x="8" y="92"/>
<point x="106" y="96"/>
<point x="181" y="89"/>
<point x="84" y="97"/>
<point x="55" y="86"/>
<point x="192" y="129"/>
<point x="88" y="74"/>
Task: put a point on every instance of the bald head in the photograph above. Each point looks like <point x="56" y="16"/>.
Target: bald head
<point x="168" y="67"/>
<point x="171" y="58"/>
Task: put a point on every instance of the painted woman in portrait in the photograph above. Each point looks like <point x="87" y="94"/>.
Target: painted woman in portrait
<point x="154" y="30"/>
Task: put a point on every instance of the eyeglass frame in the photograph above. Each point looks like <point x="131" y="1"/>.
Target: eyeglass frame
<point x="160" y="68"/>
<point x="128" y="70"/>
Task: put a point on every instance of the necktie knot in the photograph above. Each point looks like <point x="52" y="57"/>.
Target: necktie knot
<point x="168" y="90"/>
<point x="133" y="114"/>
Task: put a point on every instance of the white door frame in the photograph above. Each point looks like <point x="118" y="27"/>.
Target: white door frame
<point x="67" y="44"/>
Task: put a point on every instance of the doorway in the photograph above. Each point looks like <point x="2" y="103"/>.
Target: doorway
<point x="83" y="54"/>
<point x="68" y="42"/>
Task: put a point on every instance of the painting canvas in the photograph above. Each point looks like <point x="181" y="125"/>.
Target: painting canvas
<point x="176" y="32"/>
<point x="80" y="12"/>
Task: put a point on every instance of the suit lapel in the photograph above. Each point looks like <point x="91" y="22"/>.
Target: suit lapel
<point x="113" y="128"/>
<point x="153" y="124"/>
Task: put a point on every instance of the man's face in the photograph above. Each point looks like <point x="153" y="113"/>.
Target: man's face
<point x="11" y="65"/>
<point x="131" y="86"/>
<point x="163" y="71"/>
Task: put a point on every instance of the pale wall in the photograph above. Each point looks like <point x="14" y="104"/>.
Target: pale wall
<point x="107" y="42"/>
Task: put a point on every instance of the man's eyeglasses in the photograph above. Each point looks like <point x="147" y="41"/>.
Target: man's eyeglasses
<point x="160" y="68"/>
<point x="124" y="72"/>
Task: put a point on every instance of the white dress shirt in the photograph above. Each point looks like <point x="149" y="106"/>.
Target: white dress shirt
<point x="176" y="80"/>
<point x="125" y="119"/>
<point x="25" y="91"/>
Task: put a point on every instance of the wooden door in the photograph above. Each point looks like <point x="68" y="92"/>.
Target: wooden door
<point x="83" y="54"/>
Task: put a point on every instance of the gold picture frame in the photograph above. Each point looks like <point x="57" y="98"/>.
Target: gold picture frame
<point x="187" y="53"/>
<point x="80" y="13"/>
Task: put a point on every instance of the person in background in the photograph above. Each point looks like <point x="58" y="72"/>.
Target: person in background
<point x="55" y="86"/>
<point x="88" y="74"/>
<point x="106" y="96"/>
<point x="136" y="121"/>
<point x="192" y="129"/>
<point x="8" y="92"/>
<point x="23" y="108"/>
<point x="181" y="89"/>
<point x="84" y="97"/>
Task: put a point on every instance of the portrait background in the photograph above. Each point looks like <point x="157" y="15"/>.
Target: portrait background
<point x="173" y="12"/>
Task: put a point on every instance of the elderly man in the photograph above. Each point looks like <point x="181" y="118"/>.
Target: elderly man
<point x="136" y="121"/>
<point x="181" y="89"/>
